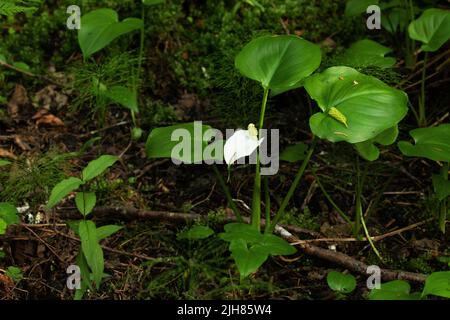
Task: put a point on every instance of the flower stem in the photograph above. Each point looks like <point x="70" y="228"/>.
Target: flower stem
<point x="267" y="202"/>
<point x="225" y="189"/>
<point x="256" y="202"/>
<point x="301" y="170"/>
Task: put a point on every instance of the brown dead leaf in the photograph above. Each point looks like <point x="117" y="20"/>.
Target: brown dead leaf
<point x="7" y="154"/>
<point x="50" y="120"/>
<point x="18" y="100"/>
<point x="6" y="283"/>
<point x="19" y="141"/>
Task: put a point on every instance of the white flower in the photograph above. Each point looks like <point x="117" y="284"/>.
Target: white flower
<point x="241" y="144"/>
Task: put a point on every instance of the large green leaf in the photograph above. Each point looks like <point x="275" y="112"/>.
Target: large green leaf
<point x="431" y="143"/>
<point x="276" y="246"/>
<point x="241" y="231"/>
<point x="366" y="53"/>
<point x="279" y="63"/>
<point x="392" y="290"/>
<point x="248" y="260"/>
<point x="183" y="142"/>
<point x="369" y="151"/>
<point x="356" y="7"/>
<point x="100" y="27"/>
<point x="8" y="213"/>
<point x="91" y="249"/>
<point x="3" y="226"/>
<point x="85" y="202"/>
<point x="432" y="28"/>
<point x="356" y="107"/>
<point x="344" y="283"/>
<point x="62" y="189"/>
<point x="98" y="166"/>
<point x="438" y="284"/>
<point x="123" y="96"/>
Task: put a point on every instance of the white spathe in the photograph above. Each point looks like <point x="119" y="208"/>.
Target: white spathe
<point x="241" y="144"/>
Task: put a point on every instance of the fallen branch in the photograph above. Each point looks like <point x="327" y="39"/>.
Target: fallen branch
<point x="284" y="231"/>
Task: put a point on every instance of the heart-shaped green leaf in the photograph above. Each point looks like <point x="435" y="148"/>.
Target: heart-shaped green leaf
<point x="279" y="63"/>
<point x="187" y="142"/>
<point x="369" y="151"/>
<point x="392" y="290"/>
<point x="438" y="284"/>
<point x="248" y="260"/>
<point x="241" y="231"/>
<point x="432" y="28"/>
<point x="276" y="246"/>
<point x="100" y="27"/>
<point x="62" y="189"/>
<point x="98" y="166"/>
<point x="365" y="53"/>
<point x="432" y="143"/>
<point x="344" y="283"/>
<point x="366" y="106"/>
<point x="85" y="202"/>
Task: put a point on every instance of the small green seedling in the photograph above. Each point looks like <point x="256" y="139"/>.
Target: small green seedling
<point x="433" y="143"/>
<point x="437" y="284"/>
<point x="8" y="216"/>
<point x="342" y="284"/>
<point x="90" y="258"/>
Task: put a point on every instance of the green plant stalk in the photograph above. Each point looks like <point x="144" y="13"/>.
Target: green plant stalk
<point x="410" y="43"/>
<point x="256" y="200"/>
<point x="443" y="204"/>
<point x="231" y="203"/>
<point x="267" y="202"/>
<point x="287" y="198"/>
<point x="333" y="204"/>
<point x="422" y="111"/>
<point x="366" y="232"/>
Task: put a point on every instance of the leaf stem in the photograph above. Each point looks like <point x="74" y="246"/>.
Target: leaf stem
<point x="267" y="202"/>
<point x="256" y="201"/>
<point x="422" y="111"/>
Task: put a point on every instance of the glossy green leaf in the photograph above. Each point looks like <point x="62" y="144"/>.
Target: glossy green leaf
<point x="62" y="189"/>
<point x="106" y="231"/>
<point x="279" y="63"/>
<point x="85" y="202"/>
<point x="344" y="283"/>
<point x="98" y="166"/>
<point x="123" y="96"/>
<point x="100" y="27"/>
<point x="91" y="249"/>
<point x="8" y="213"/>
<point x="432" y="28"/>
<point x="196" y="233"/>
<point x="356" y="7"/>
<point x="392" y="290"/>
<point x="441" y="187"/>
<point x="437" y="284"/>
<point x="369" y="151"/>
<point x="366" y="53"/>
<point x="368" y="105"/>
<point x="294" y="153"/>
<point x="432" y="143"/>
<point x="183" y="142"/>
<point x="248" y="260"/>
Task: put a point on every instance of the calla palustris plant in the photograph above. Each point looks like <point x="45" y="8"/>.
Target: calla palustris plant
<point x="433" y="143"/>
